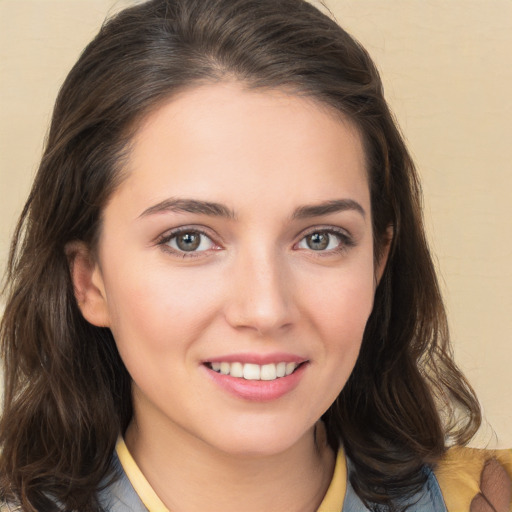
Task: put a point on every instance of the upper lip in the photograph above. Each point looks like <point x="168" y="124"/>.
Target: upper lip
<point x="259" y="359"/>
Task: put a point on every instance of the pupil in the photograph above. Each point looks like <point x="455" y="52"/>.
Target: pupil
<point x="188" y="241"/>
<point x="318" y="241"/>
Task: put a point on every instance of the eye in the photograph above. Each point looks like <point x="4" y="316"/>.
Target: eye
<point x="188" y="241"/>
<point x="325" y="240"/>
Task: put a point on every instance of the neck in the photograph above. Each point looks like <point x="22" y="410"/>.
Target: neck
<point x="189" y="475"/>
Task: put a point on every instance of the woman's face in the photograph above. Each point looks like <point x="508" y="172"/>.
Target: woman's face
<point x="238" y="249"/>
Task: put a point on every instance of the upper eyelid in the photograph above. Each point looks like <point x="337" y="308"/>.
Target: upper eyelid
<point x="203" y="230"/>
<point x="325" y="229"/>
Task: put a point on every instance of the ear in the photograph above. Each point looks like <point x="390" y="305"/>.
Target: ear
<point x="88" y="284"/>
<point x="380" y="265"/>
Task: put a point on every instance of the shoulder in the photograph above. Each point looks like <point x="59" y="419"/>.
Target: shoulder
<point x="471" y="479"/>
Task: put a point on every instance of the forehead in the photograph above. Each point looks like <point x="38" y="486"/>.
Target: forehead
<point x="230" y="141"/>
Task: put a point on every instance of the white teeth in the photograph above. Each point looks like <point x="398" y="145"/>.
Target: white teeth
<point x="250" y="371"/>
<point x="237" y="370"/>
<point x="290" y="368"/>
<point x="268" y="372"/>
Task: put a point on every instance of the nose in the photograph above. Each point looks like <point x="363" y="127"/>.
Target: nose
<point x="262" y="295"/>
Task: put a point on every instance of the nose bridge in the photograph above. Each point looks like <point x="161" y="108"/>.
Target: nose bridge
<point x="261" y="296"/>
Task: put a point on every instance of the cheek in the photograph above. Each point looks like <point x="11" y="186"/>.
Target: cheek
<point x="152" y="307"/>
<point x="339" y="312"/>
<point x="342" y="304"/>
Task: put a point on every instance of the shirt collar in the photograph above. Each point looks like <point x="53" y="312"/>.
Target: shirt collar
<point x="333" y="500"/>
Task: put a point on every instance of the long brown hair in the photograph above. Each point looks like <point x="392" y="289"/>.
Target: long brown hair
<point x="67" y="392"/>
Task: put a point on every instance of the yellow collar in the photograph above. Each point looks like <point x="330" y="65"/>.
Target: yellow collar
<point x="333" y="500"/>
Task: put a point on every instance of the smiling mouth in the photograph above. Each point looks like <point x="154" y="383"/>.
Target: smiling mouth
<point x="250" y="371"/>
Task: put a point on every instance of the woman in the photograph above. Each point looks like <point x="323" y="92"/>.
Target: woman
<point x="220" y="293"/>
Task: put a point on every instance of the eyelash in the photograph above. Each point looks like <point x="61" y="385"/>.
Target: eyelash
<point x="345" y="241"/>
<point x="164" y="241"/>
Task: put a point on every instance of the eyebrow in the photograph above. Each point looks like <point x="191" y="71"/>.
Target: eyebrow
<point x="220" y="210"/>
<point x="328" y="207"/>
<point x="190" y="206"/>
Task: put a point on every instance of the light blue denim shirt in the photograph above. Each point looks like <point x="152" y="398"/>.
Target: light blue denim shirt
<point x="429" y="499"/>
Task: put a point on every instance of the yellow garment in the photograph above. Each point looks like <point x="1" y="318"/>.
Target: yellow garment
<point x="459" y="474"/>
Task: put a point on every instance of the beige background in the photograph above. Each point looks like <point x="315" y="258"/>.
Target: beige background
<point x="447" y="70"/>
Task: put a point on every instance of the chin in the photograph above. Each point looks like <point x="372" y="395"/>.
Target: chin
<point x="260" y="440"/>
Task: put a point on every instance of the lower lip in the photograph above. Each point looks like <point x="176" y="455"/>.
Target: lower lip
<point x="258" y="390"/>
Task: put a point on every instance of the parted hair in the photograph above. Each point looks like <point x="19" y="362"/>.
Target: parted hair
<point x="67" y="392"/>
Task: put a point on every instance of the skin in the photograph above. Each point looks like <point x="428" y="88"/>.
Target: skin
<point x="254" y="286"/>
